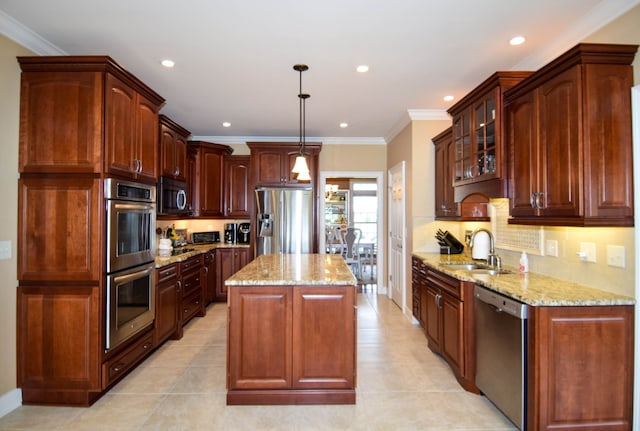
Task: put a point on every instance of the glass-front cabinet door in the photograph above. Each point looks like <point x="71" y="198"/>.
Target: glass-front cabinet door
<point x="479" y="139"/>
<point x="464" y="157"/>
<point x="475" y="136"/>
<point x="485" y="137"/>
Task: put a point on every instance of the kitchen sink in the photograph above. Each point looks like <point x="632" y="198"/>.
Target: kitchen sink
<point x="465" y="266"/>
<point x="491" y="271"/>
<point x="477" y="268"/>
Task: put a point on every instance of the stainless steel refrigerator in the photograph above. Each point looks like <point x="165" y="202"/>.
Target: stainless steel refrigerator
<point x="284" y="221"/>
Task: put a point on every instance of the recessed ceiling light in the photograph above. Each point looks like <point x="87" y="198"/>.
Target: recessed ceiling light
<point x="448" y="98"/>
<point x="226" y="124"/>
<point x="363" y="68"/>
<point x="168" y="63"/>
<point x="517" y="40"/>
<point x="344" y="125"/>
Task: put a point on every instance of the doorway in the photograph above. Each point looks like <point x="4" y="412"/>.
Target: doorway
<point x="362" y="207"/>
<point x="397" y="235"/>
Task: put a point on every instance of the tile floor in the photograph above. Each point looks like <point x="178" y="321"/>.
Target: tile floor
<point x="401" y="386"/>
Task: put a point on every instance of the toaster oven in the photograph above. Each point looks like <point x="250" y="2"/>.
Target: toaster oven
<point x="205" y="237"/>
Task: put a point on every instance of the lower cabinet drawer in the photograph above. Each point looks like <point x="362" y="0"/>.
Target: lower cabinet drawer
<point x="118" y="366"/>
<point x="191" y="306"/>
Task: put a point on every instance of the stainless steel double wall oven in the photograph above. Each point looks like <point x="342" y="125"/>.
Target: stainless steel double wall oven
<point x="131" y="238"/>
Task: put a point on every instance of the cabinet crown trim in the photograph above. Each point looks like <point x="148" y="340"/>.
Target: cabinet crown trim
<point x="88" y="63"/>
<point x="583" y="53"/>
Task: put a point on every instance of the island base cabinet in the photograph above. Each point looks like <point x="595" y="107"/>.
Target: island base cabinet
<point x="291" y="345"/>
<point x="580" y="368"/>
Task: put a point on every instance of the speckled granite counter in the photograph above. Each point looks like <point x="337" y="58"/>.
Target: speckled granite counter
<point x="197" y="249"/>
<point x="294" y="269"/>
<point x="530" y="288"/>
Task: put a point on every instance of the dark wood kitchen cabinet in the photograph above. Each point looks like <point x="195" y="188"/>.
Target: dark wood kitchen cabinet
<point x="131" y="132"/>
<point x="168" y="301"/>
<point x="209" y="279"/>
<point x="237" y="192"/>
<point x="445" y="153"/>
<point x="82" y="119"/>
<point x="307" y="332"/>
<point x="206" y="178"/>
<point x="173" y="149"/>
<point x="449" y="317"/>
<point x="271" y="164"/>
<point x="193" y="295"/>
<point x="569" y="129"/>
<point x="59" y="344"/>
<point x="86" y="114"/>
<point x="580" y="368"/>
<point x="419" y="290"/>
<point x="228" y="261"/>
<point x="479" y="162"/>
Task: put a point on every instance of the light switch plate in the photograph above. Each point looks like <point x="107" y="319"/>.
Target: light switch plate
<point x="616" y="256"/>
<point x="5" y="250"/>
<point x="588" y="251"/>
<point x="551" y="248"/>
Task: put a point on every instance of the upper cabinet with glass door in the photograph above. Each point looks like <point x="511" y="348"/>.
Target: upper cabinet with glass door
<point x="478" y="134"/>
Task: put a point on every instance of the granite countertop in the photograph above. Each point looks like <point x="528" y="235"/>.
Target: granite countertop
<point x="294" y="269"/>
<point x="530" y="288"/>
<point x="161" y="261"/>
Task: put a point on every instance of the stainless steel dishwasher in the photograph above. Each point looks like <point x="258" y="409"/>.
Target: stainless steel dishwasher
<point x="501" y="356"/>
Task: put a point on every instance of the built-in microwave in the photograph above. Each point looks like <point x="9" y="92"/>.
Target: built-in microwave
<point x="172" y="197"/>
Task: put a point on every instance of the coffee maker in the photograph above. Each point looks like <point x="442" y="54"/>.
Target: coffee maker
<point x="243" y="233"/>
<point x="230" y="233"/>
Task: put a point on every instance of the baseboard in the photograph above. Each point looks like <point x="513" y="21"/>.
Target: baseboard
<point x="10" y="401"/>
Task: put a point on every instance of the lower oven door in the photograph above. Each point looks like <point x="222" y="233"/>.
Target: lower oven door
<point x="130" y="303"/>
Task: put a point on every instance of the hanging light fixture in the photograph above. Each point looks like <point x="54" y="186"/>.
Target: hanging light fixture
<point x="300" y="167"/>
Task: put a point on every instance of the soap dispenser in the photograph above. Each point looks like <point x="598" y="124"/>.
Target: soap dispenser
<point x="524" y="262"/>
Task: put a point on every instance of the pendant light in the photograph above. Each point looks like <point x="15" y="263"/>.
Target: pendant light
<point x="300" y="167"/>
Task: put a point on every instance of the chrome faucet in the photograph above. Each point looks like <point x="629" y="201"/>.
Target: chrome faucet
<point x="492" y="259"/>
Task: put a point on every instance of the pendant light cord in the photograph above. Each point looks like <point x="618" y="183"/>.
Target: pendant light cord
<point x="303" y="97"/>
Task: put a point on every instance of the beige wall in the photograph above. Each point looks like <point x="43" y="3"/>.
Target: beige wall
<point x="9" y="113"/>
<point x="622" y="30"/>
<point x="413" y="145"/>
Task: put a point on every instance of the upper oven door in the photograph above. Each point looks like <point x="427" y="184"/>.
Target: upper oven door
<point x="131" y="234"/>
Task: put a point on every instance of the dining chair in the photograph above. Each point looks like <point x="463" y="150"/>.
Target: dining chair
<point x="351" y="252"/>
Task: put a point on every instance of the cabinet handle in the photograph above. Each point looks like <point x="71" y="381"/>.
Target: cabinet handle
<point x="538" y="200"/>
<point x="118" y="368"/>
<point x="146" y="346"/>
<point x="179" y="286"/>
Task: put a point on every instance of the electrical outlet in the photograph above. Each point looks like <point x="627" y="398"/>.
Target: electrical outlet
<point x="616" y="256"/>
<point x="551" y="248"/>
<point x="588" y="251"/>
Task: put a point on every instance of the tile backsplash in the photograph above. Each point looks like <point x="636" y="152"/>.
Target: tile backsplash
<point x="511" y="240"/>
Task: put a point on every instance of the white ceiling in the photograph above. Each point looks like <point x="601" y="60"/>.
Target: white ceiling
<point x="234" y="58"/>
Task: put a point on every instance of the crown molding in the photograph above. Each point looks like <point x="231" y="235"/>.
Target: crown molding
<point x="416" y="115"/>
<point x="327" y="140"/>
<point x="428" y="114"/>
<point x="26" y="37"/>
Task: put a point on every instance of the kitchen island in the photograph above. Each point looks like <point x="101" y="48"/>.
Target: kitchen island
<point x="292" y="331"/>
